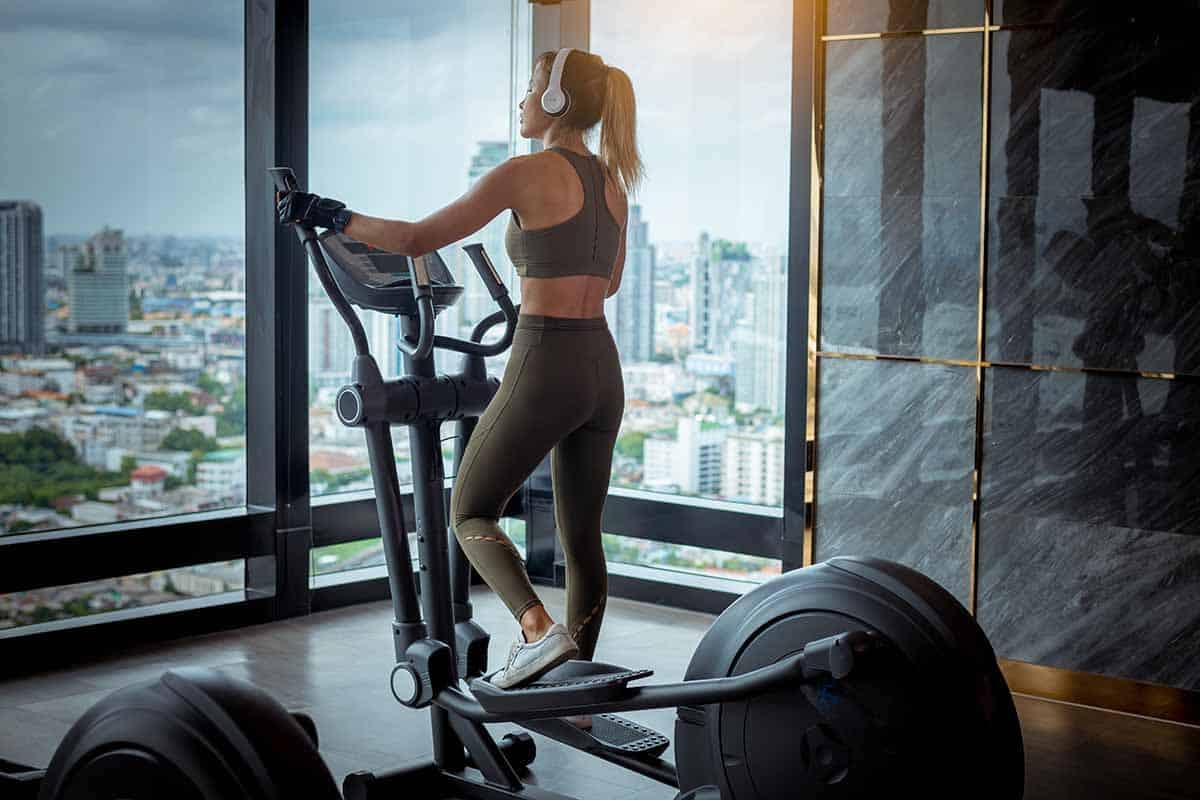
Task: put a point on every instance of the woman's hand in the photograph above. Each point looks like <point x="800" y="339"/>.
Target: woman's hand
<point x="309" y="210"/>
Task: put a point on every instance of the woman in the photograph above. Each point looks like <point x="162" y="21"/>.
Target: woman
<point x="562" y="390"/>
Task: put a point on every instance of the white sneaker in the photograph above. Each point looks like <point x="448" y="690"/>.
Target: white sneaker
<point x="528" y="660"/>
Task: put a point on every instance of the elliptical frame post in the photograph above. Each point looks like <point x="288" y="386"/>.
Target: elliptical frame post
<point x="429" y="481"/>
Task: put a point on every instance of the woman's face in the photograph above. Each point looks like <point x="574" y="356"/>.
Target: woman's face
<point x="534" y="120"/>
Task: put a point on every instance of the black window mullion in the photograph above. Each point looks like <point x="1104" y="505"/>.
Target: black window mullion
<point x="799" y="195"/>
<point x="276" y="96"/>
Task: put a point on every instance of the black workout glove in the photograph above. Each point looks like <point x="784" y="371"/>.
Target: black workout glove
<point x="312" y="211"/>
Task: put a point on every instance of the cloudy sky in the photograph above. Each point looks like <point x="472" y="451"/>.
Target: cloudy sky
<point x="130" y="114"/>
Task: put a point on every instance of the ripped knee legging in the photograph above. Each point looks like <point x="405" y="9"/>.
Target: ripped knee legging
<point x="561" y="394"/>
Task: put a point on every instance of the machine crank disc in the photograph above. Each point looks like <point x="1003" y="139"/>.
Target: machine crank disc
<point x="928" y="713"/>
<point x="193" y="734"/>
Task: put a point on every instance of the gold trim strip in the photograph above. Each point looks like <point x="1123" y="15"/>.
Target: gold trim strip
<point x="981" y="310"/>
<point x="949" y="362"/>
<point x="849" y="37"/>
<point x="954" y="362"/>
<point x="1102" y="691"/>
<point x="989" y="27"/>
<point x="816" y="190"/>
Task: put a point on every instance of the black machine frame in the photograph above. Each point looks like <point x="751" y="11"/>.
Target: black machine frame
<point x="436" y="642"/>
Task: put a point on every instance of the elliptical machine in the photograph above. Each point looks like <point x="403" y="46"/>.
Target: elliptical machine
<point x="851" y="678"/>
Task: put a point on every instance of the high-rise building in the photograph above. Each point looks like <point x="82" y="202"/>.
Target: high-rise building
<point x="476" y="302"/>
<point x="703" y="313"/>
<point x="331" y="348"/>
<point x="634" y="307"/>
<point x="721" y="274"/>
<point x="753" y="467"/>
<point x="700" y="446"/>
<point x="689" y="463"/>
<point x="98" y="283"/>
<point x="760" y="341"/>
<point x="22" y="278"/>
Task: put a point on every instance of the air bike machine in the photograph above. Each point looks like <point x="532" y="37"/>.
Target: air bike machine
<point x="854" y="678"/>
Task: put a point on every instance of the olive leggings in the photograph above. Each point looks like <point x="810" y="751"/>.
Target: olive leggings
<point x="562" y="394"/>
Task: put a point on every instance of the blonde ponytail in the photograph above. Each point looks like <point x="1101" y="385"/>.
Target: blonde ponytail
<point x="618" y="132"/>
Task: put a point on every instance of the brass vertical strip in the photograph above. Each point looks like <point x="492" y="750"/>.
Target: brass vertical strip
<point x="814" y="274"/>
<point x="980" y="329"/>
<point x="851" y="37"/>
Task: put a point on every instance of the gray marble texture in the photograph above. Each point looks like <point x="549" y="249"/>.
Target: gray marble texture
<point x="1094" y="449"/>
<point x="1089" y="557"/>
<point x="1091" y="598"/>
<point x="876" y="16"/>
<point x="900" y="214"/>
<point x="1094" y="177"/>
<point x="903" y="116"/>
<point x="932" y="538"/>
<point x="1074" y="13"/>
<point x="900" y="276"/>
<point x="895" y="454"/>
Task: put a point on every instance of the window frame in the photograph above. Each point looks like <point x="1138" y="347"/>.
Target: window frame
<point x="281" y="523"/>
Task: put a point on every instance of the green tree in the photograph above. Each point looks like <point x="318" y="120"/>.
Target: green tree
<point x="209" y="384"/>
<point x="181" y="439"/>
<point x="135" y="305"/>
<point x="20" y="525"/>
<point x="128" y="465"/>
<point x="632" y="445"/>
<point x="36" y="447"/>
<point x="725" y="250"/>
<point x="39" y="466"/>
<point x="166" y="401"/>
<point x="232" y="421"/>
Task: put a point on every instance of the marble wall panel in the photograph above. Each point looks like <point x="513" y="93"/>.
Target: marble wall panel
<point x="900" y="213"/>
<point x="895" y="455"/>
<point x="1090" y="514"/>
<point x="1094" y="177"/>
<point x="877" y="16"/>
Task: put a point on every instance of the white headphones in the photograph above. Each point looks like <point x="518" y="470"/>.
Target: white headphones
<point x="556" y="100"/>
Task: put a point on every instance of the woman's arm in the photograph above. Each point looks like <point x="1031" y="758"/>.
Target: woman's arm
<point x="614" y="283"/>
<point x="493" y="193"/>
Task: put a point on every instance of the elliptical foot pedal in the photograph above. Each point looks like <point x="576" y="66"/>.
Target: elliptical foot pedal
<point x="574" y="683"/>
<point x="609" y="733"/>
<point x="626" y="736"/>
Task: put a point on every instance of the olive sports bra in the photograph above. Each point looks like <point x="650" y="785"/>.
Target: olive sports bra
<point x="586" y="244"/>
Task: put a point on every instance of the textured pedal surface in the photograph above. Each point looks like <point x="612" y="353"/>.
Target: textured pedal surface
<point x="627" y="736"/>
<point x="607" y="679"/>
<point x="570" y="685"/>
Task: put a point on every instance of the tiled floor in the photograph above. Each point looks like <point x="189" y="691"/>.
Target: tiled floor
<point x="335" y="665"/>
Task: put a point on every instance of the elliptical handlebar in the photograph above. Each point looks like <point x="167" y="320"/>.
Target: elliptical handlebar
<point x="422" y="287"/>
<point x="423" y="293"/>
<point x="507" y="313"/>
<point x="285" y="181"/>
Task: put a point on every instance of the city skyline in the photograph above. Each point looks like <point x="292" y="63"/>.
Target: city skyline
<point x="190" y="117"/>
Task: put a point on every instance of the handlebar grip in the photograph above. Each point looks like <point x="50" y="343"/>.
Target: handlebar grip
<point x="285" y="179"/>
<point x="487" y="271"/>
<point x="422" y="284"/>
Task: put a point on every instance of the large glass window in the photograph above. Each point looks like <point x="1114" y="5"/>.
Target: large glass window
<point x="700" y="316"/>
<point x="114" y="597"/>
<point x="409" y="105"/>
<point x="122" y="277"/>
<point x="690" y="560"/>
